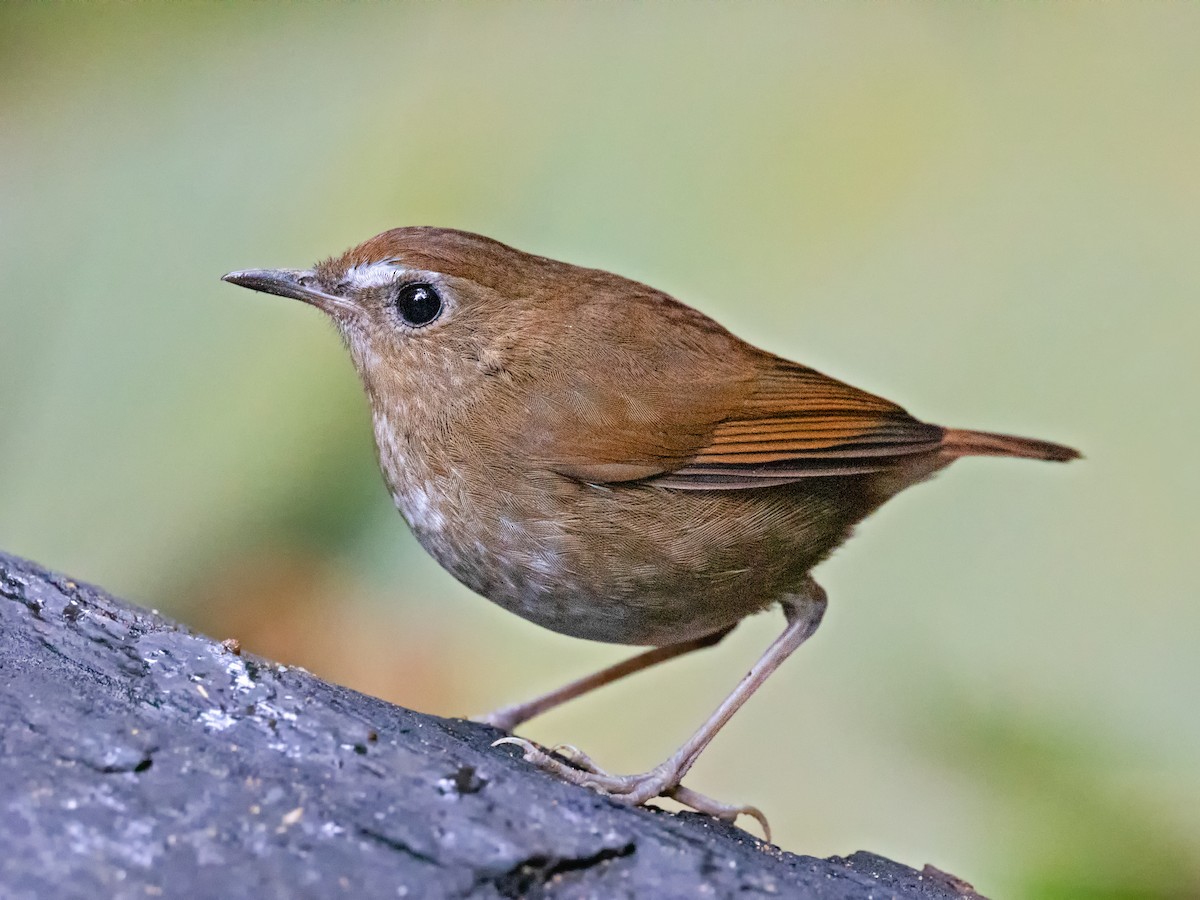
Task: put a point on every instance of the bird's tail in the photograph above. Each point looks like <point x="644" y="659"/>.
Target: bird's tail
<point x="957" y="442"/>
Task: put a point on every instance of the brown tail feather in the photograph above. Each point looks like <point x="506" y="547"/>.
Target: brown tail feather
<point x="980" y="443"/>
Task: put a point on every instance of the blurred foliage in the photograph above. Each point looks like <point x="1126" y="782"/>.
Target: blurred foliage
<point x="990" y="213"/>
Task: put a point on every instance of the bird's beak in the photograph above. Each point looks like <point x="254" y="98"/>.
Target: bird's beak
<point x="297" y="284"/>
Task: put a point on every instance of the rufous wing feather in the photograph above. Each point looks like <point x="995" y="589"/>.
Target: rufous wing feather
<point x="799" y="423"/>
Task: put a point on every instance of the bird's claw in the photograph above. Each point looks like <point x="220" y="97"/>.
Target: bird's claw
<point x="629" y="790"/>
<point x="726" y="812"/>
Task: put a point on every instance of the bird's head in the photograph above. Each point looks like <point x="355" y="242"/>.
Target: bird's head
<point x="433" y="311"/>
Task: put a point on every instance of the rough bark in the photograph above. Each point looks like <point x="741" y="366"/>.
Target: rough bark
<point x="140" y="759"/>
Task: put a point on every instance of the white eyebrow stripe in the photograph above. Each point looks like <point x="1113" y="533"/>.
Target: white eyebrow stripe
<point x="373" y="275"/>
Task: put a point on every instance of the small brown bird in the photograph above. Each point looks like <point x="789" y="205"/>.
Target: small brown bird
<point x="609" y="463"/>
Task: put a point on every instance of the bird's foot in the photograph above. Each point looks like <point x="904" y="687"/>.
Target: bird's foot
<point x="631" y="790"/>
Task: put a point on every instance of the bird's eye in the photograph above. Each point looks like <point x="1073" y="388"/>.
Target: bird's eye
<point x="418" y="304"/>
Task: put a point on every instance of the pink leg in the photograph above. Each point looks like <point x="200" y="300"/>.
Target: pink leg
<point x="509" y="717"/>
<point x="803" y="612"/>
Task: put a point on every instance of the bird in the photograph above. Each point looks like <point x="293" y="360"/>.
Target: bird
<point x="609" y="463"/>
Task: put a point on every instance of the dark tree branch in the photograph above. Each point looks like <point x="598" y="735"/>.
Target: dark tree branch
<point x="140" y="760"/>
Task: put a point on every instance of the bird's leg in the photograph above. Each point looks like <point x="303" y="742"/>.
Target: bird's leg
<point x="509" y="717"/>
<point x="803" y="612"/>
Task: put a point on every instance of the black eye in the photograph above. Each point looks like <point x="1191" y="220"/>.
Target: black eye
<point x="418" y="304"/>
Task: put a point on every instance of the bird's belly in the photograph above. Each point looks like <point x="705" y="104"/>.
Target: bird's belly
<point x="636" y="564"/>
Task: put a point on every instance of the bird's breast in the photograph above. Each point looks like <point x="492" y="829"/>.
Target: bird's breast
<point x="630" y="564"/>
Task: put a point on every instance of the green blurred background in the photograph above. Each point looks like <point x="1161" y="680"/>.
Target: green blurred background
<point x="989" y="213"/>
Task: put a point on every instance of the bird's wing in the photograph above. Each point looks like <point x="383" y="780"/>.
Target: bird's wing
<point x="628" y="407"/>
<point x="702" y="410"/>
<point x="798" y="423"/>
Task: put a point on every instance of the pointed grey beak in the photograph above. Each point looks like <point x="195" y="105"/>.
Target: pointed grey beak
<point x="297" y="284"/>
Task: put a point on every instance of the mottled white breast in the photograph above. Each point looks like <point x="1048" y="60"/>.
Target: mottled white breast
<point x="413" y="488"/>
